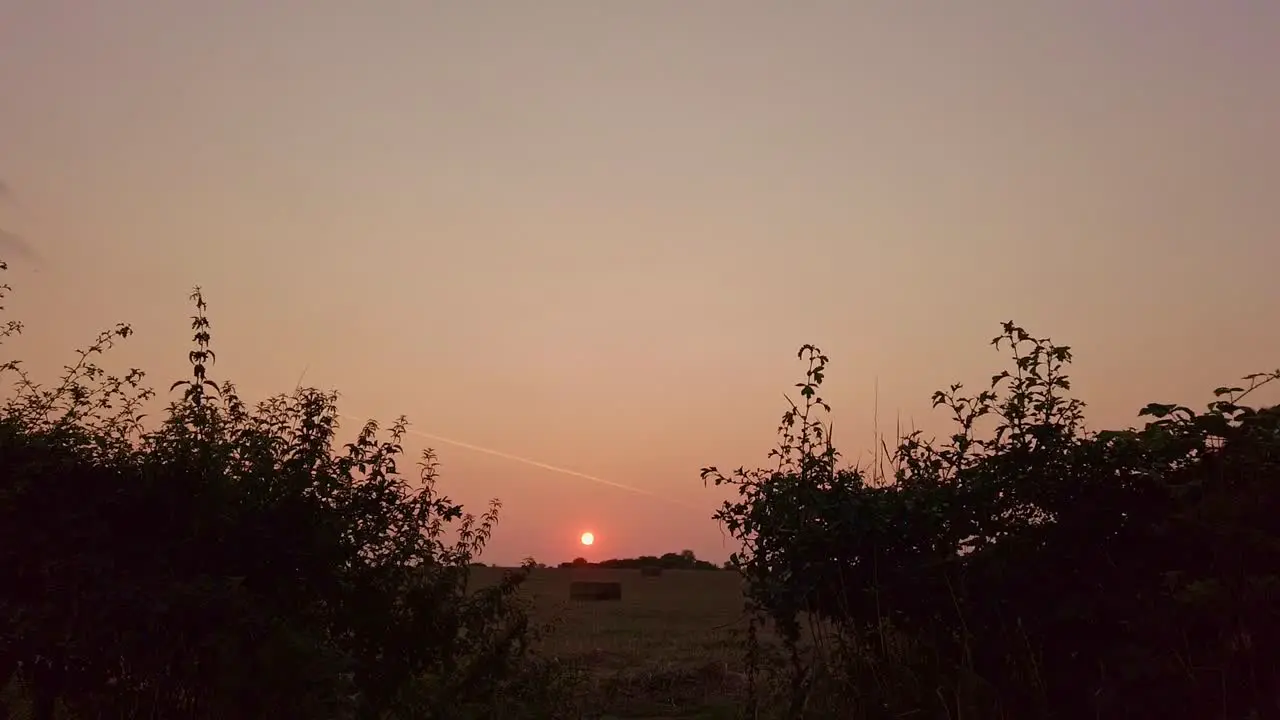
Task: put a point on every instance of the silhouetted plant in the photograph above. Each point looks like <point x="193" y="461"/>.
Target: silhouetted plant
<point x="1035" y="570"/>
<point x="231" y="563"/>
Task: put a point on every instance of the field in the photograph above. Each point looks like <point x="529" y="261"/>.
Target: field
<point x="669" y="648"/>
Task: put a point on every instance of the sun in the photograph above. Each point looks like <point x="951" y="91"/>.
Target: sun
<point x="588" y="538"/>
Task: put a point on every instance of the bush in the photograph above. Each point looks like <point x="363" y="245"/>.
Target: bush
<point x="1038" y="570"/>
<point x="231" y="562"/>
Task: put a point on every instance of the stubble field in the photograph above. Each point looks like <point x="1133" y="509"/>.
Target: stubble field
<point x="671" y="647"/>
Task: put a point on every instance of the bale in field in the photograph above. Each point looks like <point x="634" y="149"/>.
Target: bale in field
<point x="585" y="590"/>
<point x="651" y="571"/>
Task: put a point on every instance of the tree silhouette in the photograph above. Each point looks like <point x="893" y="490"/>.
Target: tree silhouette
<point x="231" y="562"/>
<point x="1037" y="571"/>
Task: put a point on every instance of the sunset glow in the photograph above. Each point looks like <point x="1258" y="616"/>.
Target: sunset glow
<point x="588" y="538"/>
<point x="607" y="237"/>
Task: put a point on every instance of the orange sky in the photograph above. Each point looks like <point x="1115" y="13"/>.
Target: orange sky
<point x="594" y="234"/>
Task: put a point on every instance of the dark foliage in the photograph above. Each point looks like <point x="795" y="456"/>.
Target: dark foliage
<point x="230" y="563"/>
<point x="1036" y="570"/>
<point x="684" y="560"/>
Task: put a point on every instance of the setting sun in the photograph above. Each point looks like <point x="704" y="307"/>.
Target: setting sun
<point x="588" y="538"/>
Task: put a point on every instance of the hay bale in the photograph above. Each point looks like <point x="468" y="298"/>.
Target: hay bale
<point x="588" y="590"/>
<point x="651" y="571"/>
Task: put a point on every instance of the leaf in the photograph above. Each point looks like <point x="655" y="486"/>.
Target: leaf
<point x="1157" y="410"/>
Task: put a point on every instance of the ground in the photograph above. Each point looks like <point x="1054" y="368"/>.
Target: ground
<point x="670" y="648"/>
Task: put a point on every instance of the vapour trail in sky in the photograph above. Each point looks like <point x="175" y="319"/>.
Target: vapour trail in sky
<point x="533" y="463"/>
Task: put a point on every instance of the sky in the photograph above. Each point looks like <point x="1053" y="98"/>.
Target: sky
<point x="594" y="234"/>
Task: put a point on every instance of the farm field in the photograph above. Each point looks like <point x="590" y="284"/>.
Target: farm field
<point x="669" y="648"/>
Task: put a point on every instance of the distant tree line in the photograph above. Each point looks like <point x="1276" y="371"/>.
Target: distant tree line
<point x="683" y="560"/>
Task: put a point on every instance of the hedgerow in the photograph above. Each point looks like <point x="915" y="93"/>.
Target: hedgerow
<point x="1024" y="566"/>
<point x="230" y="560"/>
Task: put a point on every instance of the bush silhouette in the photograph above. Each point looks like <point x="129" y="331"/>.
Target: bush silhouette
<point x="1038" y="570"/>
<point x="231" y="562"/>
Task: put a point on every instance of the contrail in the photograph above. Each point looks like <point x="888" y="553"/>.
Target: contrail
<point x="516" y="458"/>
<point x="534" y="463"/>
